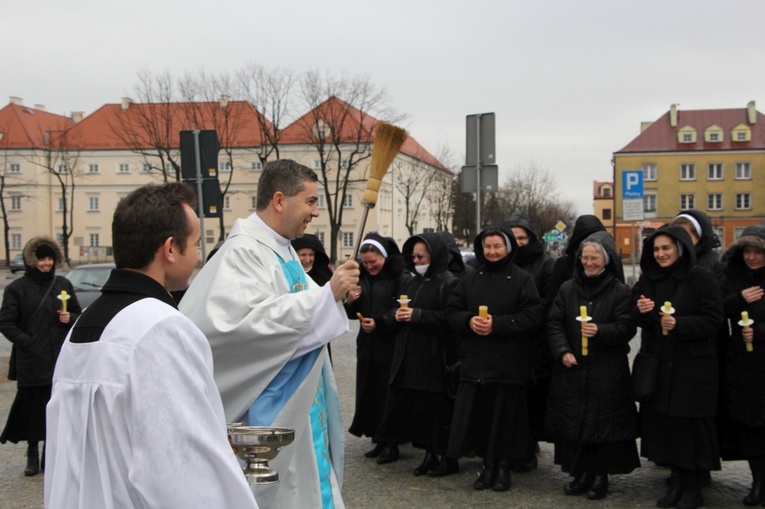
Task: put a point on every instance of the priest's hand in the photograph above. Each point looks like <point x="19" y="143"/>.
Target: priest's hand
<point x="345" y="279"/>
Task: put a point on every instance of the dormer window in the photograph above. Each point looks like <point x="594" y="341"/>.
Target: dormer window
<point x="686" y="134"/>
<point x="741" y="133"/>
<point x="713" y="134"/>
<point x="606" y="191"/>
<point x="320" y="130"/>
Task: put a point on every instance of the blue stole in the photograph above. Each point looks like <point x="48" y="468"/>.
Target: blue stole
<point x="283" y="386"/>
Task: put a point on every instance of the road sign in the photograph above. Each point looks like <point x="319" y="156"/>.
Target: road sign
<point x="489" y="178"/>
<point x="632" y="184"/>
<point x="560" y="225"/>
<point x="487" y="150"/>
<point x="632" y="209"/>
<point x="555" y="236"/>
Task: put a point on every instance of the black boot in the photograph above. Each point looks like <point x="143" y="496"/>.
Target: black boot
<point x="757" y="494"/>
<point x="373" y="453"/>
<point x="429" y="462"/>
<point x="579" y="485"/>
<point x="691" y="498"/>
<point x="33" y="460"/>
<point x="675" y="491"/>
<point x="446" y="466"/>
<point x="42" y="459"/>
<point x="485" y="481"/>
<point x="502" y="477"/>
<point x="599" y="487"/>
<point x="388" y="455"/>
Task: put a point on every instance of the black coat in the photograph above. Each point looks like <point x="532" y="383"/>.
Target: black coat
<point x="516" y="310"/>
<point x="424" y="346"/>
<point x="745" y="373"/>
<point x="37" y="337"/>
<point x="688" y="371"/>
<point x="590" y="403"/>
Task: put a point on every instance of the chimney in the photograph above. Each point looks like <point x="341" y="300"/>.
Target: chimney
<point x="40" y="107"/>
<point x="751" y="112"/>
<point x="18" y="101"/>
<point x="77" y="116"/>
<point x="645" y="125"/>
<point x="673" y="115"/>
<point x="126" y="102"/>
<point x="224" y="99"/>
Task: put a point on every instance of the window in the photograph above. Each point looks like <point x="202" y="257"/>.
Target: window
<point x="15" y="241"/>
<point x="345" y="163"/>
<point x="686" y="134"/>
<point x="320" y="202"/>
<point x="253" y="202"/>
<point x="124" y="168"/>
<point x="226" y="202"/>
<point x="94" y="240"/>
<point x="649" y="172"/>
<point x="741" y="136"/>
<point x="687" y="171"/>
<point x="606" y="192"/>
<point x="715" y="171"/>
<point x="93" y="203"/>
<point x="348" y="201"/>
<point x="714" y="137"/>
<point x="93" y="168"/>
<point x="737" y="232"/>
<point x="256" y="166"/>
<point x="428" y="230"/>
<point x="15" y="202"/>
<point x="743" y="171"/>
<point x="146" y="168"/>
<point x="14" y="168"/>
<point x="347" y="239"/>
<point x="714" y="201"/>
<point x="62" y="168"/>
<point x="687" y="137"/>
<point x="649" y="202"/>
<point x="743" y="201"/>
<point x="687" y="201"/>
<point x="224" y="166"/>
<point x="320" y="236"/>
<point x="317" y="164"/>
<point x="60" y="204"/>
<point x="606" y="214"/>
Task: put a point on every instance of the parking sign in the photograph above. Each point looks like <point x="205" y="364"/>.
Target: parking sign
<point x="632" y="184"/>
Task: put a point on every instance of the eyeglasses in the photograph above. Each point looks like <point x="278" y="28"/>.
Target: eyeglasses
<point x="517" y="237"/>
<point x="588" y="259"/>
<point x="417" y="256"/>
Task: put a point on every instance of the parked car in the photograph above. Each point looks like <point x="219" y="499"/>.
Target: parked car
<point x="467" y="254"/>
<point x="88" y="281"/>
<point x="17" y="263"/>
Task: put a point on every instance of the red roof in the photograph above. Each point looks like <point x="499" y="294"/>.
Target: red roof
<point x="354" y="125"/>
<point x="105" y="127"/>
<point x="661" y="137"/>
<point x="23" y="127"/>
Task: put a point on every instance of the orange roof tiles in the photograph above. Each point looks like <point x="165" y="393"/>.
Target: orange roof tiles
<point x="24" y="128"/>
<point x="661" y="137"/>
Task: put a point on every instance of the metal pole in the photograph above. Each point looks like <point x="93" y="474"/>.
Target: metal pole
<point x="478" y="177"/>
<point x="634" y="247"/>
<point x="200" y="205"/>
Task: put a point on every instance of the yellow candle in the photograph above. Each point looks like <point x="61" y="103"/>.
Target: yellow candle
<point x="745" y="319"/>
<point x="483" y="312"/>
<point x="404" y="301"/>
<point x="585" y="341"/>
<point x="64" y="296"/>
<point x="666" y="310"/>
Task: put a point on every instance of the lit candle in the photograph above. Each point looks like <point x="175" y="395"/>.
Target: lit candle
<point x="746" y="323"/>
<point x="584" y="319"/>
<point x="666" y="311"/>
<point x="63" y="297"/>
<point x="483" y="312"/>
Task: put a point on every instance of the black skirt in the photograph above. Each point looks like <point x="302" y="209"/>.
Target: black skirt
<point x="26" y="420"/>
<point x="575" y="459"/>
<point x="422" y="418"/>
<point x="685" y="442"/>
<point x="492" y="420"/>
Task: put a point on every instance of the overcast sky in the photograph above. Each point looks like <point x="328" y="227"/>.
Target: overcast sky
<point x="569" y="81"/>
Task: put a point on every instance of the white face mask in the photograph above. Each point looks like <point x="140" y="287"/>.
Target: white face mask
<point x="421" y="269"/>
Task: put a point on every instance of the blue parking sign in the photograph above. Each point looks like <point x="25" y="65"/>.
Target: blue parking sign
<point x="632" y="184"/>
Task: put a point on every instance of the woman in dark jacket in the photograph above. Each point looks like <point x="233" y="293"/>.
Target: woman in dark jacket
<point x="532" y="258"/>
<point x="418" y="409"/>
<point x="590" y="410"/>
<point x="380" y="286"/>
<point x="490" y="411"/>
<point x="32" y="319"/>
<point x="313" y="258"/>
<point x="745" y="375"/>
<point x="678" y="424"/>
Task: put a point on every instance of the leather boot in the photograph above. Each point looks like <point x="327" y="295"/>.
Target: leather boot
<point x="579" y="485"/>
<point x="485" y="481"/>
<point x="388" y="455"/>
<point x="691" y="498"/>
<point x="675" y="491"/>
<point x="429" y="462"/>
<point x="757" y="494"/>
<point x="33" y="460"/>
<point x="502" y="476"/>
<point x="446" y="466"/>
<point x="599" y="487"/>
<point x="373" y="453"/>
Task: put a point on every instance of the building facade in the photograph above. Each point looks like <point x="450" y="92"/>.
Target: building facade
<point x="709" y="160"/>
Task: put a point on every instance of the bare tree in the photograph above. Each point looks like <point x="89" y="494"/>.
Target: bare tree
<point x="413" y="179"/>
<point x="339" y="125"/>
<point x="441" y="194"/>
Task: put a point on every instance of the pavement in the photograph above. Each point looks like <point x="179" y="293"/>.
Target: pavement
<point x="392" y="486"/>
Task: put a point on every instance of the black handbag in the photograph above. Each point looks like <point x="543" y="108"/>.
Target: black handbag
<point x="644" y="378"/>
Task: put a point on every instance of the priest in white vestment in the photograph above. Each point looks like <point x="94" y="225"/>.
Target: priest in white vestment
<point x="268" y="325"/>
